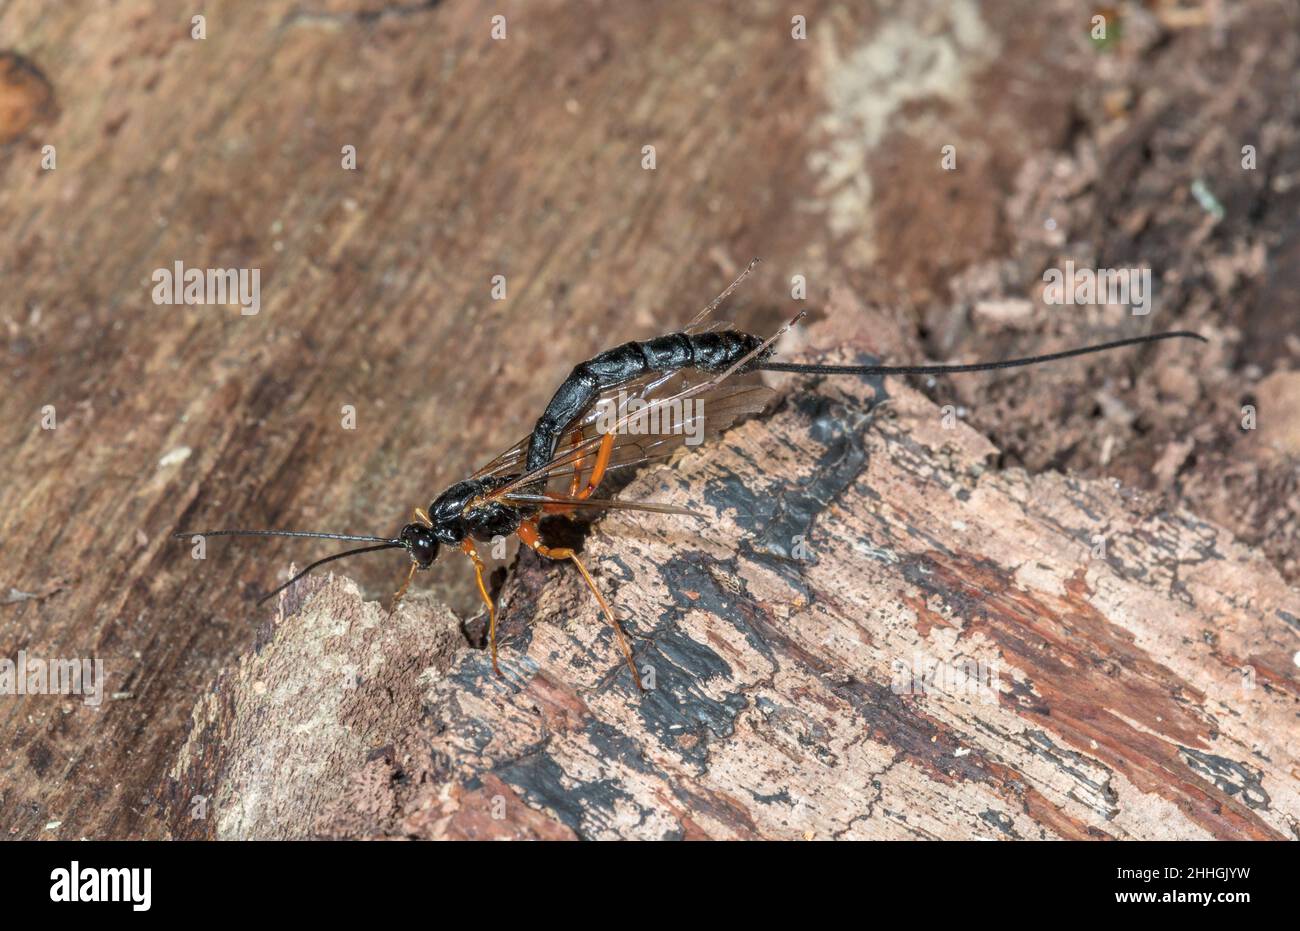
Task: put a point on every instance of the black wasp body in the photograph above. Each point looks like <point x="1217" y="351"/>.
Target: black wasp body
<point x="708" y="352"/>
<point x="465" y="511"/>
<point x="508" y="495"/>
<point x="455" y="517"/>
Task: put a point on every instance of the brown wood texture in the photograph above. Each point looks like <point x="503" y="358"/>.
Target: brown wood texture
<point x="875" y="636"/>
<point x="522" y="157"/>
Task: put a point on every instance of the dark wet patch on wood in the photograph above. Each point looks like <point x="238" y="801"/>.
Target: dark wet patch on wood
<point x="26" y="97"/>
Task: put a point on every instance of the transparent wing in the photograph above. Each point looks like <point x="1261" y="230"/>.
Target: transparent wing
<point x="621" y="396"/>
<point x="650" y="432"/>
<point x="601" y="504"/>
<point x="665" y="396"/>
<point x="700" y="323"/>
<point x="650" y="418"/>
<point x="513" y="458"/>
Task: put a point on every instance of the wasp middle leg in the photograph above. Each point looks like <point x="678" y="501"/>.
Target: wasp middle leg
<point x="576" y="489"/>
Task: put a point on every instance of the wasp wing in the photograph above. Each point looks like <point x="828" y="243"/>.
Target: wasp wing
<point x="715" y="412"/>
<point x="643" y="388"/>
<point x="735" y="389"/>
<point x="602" y="504"/>
<point x="717" y="405"/>
<point x="509" y="461"/>
<point x="698" y="323"/>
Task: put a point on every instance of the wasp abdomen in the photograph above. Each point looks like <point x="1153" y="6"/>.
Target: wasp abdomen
<point x="709" y="352"/>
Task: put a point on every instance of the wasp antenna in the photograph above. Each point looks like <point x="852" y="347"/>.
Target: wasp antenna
<point x="320" y="562"/>
<point x="347" y="537"/>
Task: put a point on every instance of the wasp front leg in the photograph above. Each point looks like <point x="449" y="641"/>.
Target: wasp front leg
<point x="401" y="592"/>
<point x="472" y="553"/>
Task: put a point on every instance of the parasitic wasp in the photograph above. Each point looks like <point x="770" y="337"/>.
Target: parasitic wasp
<point x="583" y="437"/>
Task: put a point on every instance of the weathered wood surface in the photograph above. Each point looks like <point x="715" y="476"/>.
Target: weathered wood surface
<point x="523" y="158"/>
<point x="1060" y="691"/>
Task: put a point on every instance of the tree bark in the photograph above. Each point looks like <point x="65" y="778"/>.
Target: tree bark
<point x="123" y="420"/>
<point x="874" y="635"/>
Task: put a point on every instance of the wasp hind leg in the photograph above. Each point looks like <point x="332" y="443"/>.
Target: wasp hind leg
<point x="528" y="533"/>
<point x="575" y="483"/>
<point x="576" y="489"/>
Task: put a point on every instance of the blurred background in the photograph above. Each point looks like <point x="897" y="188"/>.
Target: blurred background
<point x="449" y="204"/>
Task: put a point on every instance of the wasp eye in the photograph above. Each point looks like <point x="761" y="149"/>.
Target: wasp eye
<point x="420" y="543"/>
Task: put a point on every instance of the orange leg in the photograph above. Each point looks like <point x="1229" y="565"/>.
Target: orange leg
<point x="419" y="516"/>
<point x="575" y="483"/>
<point x="397" y="596"/>
<point x="528" y="534"/>
<point x="472" y="553"/>
<point x="602" y="463"/>
<point x="603" y="454"/>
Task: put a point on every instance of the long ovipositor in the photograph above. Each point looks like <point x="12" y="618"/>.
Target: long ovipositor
<point x="716" y="352"/>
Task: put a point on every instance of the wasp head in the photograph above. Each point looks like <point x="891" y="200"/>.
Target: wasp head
<point x="420" y="543"/>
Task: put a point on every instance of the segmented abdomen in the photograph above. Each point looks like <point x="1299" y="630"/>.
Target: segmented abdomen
<point x="709" y="352"/>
